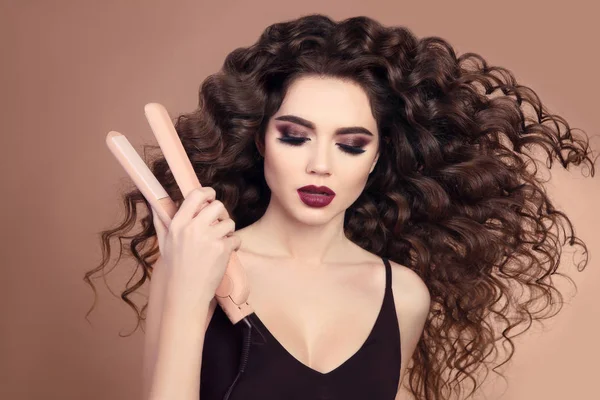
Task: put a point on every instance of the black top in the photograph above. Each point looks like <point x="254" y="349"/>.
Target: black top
<point x="272" y="373"/>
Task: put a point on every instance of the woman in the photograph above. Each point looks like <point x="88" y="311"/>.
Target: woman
<point x="428" y="219"/>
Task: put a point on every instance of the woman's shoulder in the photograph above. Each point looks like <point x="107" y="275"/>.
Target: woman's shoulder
<point x="412" y="302"/>
<point x="411" y="295"/>
<point x="408" y="286"/>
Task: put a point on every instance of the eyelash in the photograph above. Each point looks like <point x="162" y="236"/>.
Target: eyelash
<point x="297" y="141"/>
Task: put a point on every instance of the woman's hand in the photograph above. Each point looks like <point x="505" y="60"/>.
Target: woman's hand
<point x="196" y="248"/>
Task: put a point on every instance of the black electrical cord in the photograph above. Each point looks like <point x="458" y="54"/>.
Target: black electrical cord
<point x="244" y="357"/>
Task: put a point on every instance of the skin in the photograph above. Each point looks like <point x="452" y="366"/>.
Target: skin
<point x="309" y="282"/>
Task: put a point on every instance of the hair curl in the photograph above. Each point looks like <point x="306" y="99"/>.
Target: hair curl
<point x="455" y="196"/>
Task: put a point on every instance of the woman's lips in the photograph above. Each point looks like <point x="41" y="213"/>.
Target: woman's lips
<point x="317" y="189"/>
<point x="315" y="199"/>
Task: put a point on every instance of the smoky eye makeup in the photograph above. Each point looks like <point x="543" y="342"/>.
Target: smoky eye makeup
<point x="294" y="137"/>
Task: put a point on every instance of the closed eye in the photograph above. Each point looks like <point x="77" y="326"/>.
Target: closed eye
<point x="298" y="141"/>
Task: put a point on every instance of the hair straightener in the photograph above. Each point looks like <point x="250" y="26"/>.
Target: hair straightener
<point x="232" y="293"/>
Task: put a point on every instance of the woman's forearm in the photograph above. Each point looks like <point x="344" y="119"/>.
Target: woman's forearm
<point x="154" y="313"/>
<point x="176" y="373"/>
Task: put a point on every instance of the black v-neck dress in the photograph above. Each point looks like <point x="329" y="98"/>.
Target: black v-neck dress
<point x="272" y="373"/>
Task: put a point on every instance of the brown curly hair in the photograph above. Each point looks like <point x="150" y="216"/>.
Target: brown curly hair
<point x="455" y="195"/>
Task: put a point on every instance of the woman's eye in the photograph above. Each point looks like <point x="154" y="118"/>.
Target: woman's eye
<point x="294" y="139"/>
<point x="291" y="137"/>
<point x="351" y="149"/>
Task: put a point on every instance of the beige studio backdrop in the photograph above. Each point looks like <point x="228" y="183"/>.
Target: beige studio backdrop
<point x="73" y="70"/>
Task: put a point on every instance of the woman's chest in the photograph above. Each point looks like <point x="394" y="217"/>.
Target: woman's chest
<point x="320" y="318"/>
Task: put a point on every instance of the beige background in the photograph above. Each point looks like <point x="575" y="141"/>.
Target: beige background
<point x="73" y="70"/>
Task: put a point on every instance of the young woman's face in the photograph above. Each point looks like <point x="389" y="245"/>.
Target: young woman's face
<point x="307" y="143"/>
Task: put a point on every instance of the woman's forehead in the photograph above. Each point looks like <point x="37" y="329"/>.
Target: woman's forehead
<point x="329" y="103"/>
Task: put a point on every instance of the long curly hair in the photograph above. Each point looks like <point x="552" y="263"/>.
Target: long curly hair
<point x="455" y="195"/>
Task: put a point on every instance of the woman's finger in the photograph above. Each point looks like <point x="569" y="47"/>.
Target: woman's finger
<point x="191" y="205"/>
<point x="211" y="214"/>
<point x="224" y="228"/>
<point x="233" y="242"/>
<point x="161" y="229"/>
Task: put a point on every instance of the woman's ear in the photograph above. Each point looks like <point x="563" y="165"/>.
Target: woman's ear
<point x="260" y="148"/>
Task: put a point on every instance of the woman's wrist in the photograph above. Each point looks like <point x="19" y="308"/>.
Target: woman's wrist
<point x="177" y="303"/>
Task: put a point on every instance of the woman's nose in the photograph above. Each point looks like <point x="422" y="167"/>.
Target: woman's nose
<point x="320" y="161"/>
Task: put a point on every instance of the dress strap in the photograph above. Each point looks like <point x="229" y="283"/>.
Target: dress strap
<point x="388" y="273"/>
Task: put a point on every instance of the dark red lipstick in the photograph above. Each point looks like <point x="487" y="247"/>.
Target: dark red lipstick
<point x="316" y="196"/>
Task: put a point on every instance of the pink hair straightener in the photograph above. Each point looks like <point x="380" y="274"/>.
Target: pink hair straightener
<point x="232" y="293"/>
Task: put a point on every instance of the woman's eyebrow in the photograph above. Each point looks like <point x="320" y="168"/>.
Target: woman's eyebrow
<point x="308" y="124"/>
